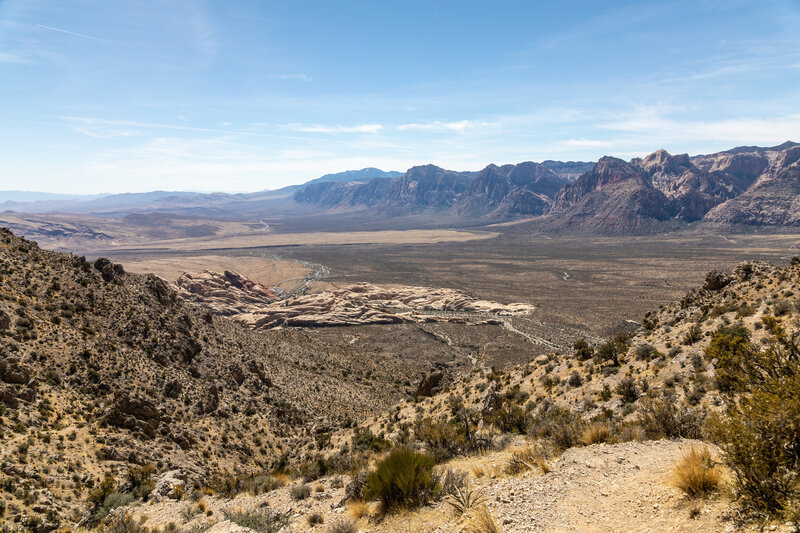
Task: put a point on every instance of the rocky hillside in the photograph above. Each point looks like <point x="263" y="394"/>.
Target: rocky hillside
<point x="581" y="441"/>
<point x="102" y="370"/>
<point x="746" y="185"/>
<point x="774" y="198"/>
<point x="613" y="196"/>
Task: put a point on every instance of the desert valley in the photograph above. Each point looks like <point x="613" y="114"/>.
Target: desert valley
<point x="166" y="370"/>
<point x="399" y="267"/>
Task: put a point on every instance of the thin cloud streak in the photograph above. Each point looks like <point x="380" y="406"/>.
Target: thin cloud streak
<point x="75" y="34"/>
<point x="298" y="77"/>
<point x="319" y="128"/>
<point x="461" y="126"/>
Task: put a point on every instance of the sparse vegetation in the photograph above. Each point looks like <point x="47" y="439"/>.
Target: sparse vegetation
<point x="263" y="520"/>
<point x="758" y="433"/>
<point x="482" y="521"/>
<point x="403" y="479"/>
<point x="696" y="474"/>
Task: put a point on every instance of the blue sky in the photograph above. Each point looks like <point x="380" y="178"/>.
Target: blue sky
<point x="113" y="96"/>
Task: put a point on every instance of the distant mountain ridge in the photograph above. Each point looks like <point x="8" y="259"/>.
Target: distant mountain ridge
<point x="743" y="186"/>
<point x="504" y="191"/>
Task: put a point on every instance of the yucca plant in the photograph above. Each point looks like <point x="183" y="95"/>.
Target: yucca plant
<point x="464" y="498"/>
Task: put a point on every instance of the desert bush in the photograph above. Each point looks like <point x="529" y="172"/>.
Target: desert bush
<point x="124" y="523"/>
<point x="661" y="418"/>
<point x="443" y="438"/>
<point x="759" y="432"/>
<point x="263" y="520"/>
<point x="692" y="335"/>
<point x="781" y="307"/>
<point x="365" y="439"/>
<point x="583" y="350"/>
<point x="357" y="509"/>
<point x="403" y="479"/>
<point x="111" y="502"/>
<point x="315" y="519"/>
<point x="645" y="352"/>
<point x="511" y="417"/>
<point x="301" y="491"/>
<point x="140" y="479"/>
<point x="696" y="474"/>
<point x="627" y="390"/>
<point x="527" y="458"/>
<point x="342" y="525"/>
<point x="611" y="351"/>
<point x="482" y="521"/>
<point x="595" y="434"/>
<point x="559" y="426"/>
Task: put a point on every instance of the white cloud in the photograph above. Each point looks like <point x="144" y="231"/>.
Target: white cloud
<point x="745" y="130"/>
<point x="319" y="128"/>
<point x="6" y="57"/>
<point x="296" y="77"/>
<point x="461" y="126"/>
<point x="587" y="143"/>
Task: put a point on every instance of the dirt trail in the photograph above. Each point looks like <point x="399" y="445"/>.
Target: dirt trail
<point x="600" y="488"/>
<point x="534" y="340"/>
<point x="620" y="487"/>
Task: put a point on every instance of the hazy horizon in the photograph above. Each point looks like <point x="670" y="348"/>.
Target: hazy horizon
<point x="140" y="96"/>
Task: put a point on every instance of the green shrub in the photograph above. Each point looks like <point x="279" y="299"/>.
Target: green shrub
<point x="694" y="334"/>
<point x="582" y="350"/>
<point x="627" y="390"/>
<point x="560" y="426"/>
<point x="403" y="479"/>
<point x="662" y="418"/>
<point x="611" y="351"/>
<point x="263" y="520"/>
<point x="645" y="352"/>
<point x="759" y="432"/>
<point x="300" y="492"/>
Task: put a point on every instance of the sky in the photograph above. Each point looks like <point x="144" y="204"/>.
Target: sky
<point x="131" y="96"/>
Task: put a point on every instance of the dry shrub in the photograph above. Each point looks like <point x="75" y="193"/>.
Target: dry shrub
<point x="358" y="509"/>
<point x="478" y="471"/>
<point x="696" y="474"/>
<point x="595" y="434"/>
<point x="342" y="526"/>
<point x="527" y="458"/>
<point x="482" y="521"/>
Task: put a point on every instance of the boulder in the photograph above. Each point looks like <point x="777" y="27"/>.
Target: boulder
<point x="170" y="485"/>
<point x="134" y="412"/>
<point x="107" y="269"/>
<point x="430" y="384"/>
<point x="716" y="280"/>
<point x="12" y="371"/>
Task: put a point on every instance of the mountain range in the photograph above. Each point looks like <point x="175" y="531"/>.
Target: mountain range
<point x="744" y="186"/>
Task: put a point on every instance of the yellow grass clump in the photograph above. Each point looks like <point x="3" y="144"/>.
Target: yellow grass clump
<point x="527" y="458"/>
<point x="482" y="521"/>
<point x="696" y="474"/>
<point x="358" y="509"/>
<point x="595" y="434"/>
